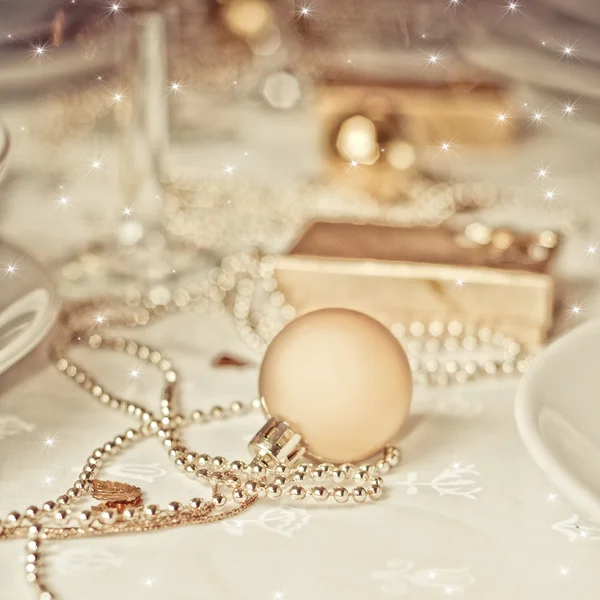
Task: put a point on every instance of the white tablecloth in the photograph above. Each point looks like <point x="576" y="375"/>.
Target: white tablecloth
<point x="467" y="513"/>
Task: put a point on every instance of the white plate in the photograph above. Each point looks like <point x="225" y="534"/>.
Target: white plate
<point x="29" y="305"/>
<point x="558" y="415"/>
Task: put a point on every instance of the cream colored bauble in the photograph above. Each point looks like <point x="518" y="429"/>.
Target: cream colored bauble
<point x="341" y="379"/>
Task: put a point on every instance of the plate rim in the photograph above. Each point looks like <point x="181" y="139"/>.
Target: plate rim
<point x="527" y="425"/>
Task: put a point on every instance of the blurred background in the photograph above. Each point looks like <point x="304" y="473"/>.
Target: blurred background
<point x="149" y="138"/>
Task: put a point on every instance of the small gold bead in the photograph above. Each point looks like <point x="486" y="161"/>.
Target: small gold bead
<point x="376" y="481"/>
<point x="30" y="568"/>
<point x="88" y="468"/>
<point x="236" y="407"/>
<point x="71" y="370"/>
<point x="33" y="545"/>
<point x="151" y="510"/>
<point x="239" y="496"/>
<point x="359" y="494"/>
<point x="320" y="493"/>
<point x="219" y="462"/>
<point x="198" y="415"/>
<point x="63" y="500"/>
<point x="74" y="493"/>
<point x="319" y="475"/>
<point x="217" y="412"/>
<point x="299" y="477"/>
<point x="280" y="480"/>
<point x="347" y="468"/>
<point x="274" y="491"/>
<point x="62" y="364"/>
<point x="79" y="485"/>
<point x="98" y="453"/>
<point x="361" y="477"/>
<point x="34" y="531"/>
<point x="232" y="481"/>
<point x="392" y="455"/>
<point x="383" y="466"/>
<point x="32" y="557"/>
<point x="257" y="470"/>
<point x="297" y="492"/>
<point x="204" y="459"/>
<point x="196" y="502"/>
<point x="337" y="475"/>
<point x="31" y="577"/>
<point x="340" y="494"/>
<point x="32" y="512"/>
<point x="84" y="476"/>
<point x="174" y="507"/>
<point x="85" y="516"/>
<point x="375" y="491"/>
<point x="237" y="466"/>
<point x="251" y="488"/>
<point x="108" y="516"/>
<point x="13" y="519"/>
<point x="49" y="506"/>
<point x="218" y="500"/>
<point x="304" y="468"/>
<point x="203" y="474"/>
<point x="62" y="514"/>
<point x="281" y="469"/>
<point x="128" y="513"/>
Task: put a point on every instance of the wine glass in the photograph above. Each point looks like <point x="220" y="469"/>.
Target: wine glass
<point x="141" y="253"/>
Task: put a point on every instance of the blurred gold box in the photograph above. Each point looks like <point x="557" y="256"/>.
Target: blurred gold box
<point x="404" y="274"/>
<point x="464" y="113"/>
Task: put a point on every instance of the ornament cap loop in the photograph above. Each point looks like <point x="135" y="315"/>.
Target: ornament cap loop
<point x="276" y="442"/>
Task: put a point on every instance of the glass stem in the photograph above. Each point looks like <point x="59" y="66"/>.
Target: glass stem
<point x="145" y="137"/>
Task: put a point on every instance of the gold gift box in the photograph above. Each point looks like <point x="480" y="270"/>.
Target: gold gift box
<point x="464" y="113"/>
<point x="373" y="133"/>
<point x="404" y="274"/>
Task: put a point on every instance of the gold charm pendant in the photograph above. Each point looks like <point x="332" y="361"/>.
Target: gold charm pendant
<point x="114" y="491"/>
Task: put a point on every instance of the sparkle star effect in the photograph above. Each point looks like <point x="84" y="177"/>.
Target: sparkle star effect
<point x="537" y="117"/>
<point x="49" y="441"/>
<point x="10" y="269"/>
<point x="552" y="497"/>
<point x="100" y="319"/>
<point x="39" y="51"/>
<point x="568" y="51"/>
<point x="592" y="249"/>
<point x="117" y="97"/>
<point x="127" y="211"/>
<point x="63" y="201"/>
<point x="459" y="283"/>
<point x="542" y="171"/>
<point x="305" y="11"/>
<point x="229" y="169"/>
<point x="97" y="165"/>
<point x="575" y="310"/>
<point x="445" y="147"/>
<point x="550" y="195"/>
<point x="115" y="8"/>
<point x="135" y="373"/>
<point x="149" y="582"/>
<point x="512" y="7"/>
<point x="564" y="571"/>
<point x="502" y="118"/>
<point x="175" y="87"/>
<point x="568" y="109"/>
<point x="48" y="480"/>
<point x="278" y="595"/>
<point x="433" y="59"/>
<point x="352" y="165"/>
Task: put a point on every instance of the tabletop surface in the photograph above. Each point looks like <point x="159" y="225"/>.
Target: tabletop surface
<point x="467" y="513"/>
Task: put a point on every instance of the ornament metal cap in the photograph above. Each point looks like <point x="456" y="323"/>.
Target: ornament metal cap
<point x="275" y="443"/>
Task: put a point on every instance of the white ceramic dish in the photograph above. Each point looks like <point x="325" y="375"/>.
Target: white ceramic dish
<point x="558" y="415"/>
<point x="29" y="305"/>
